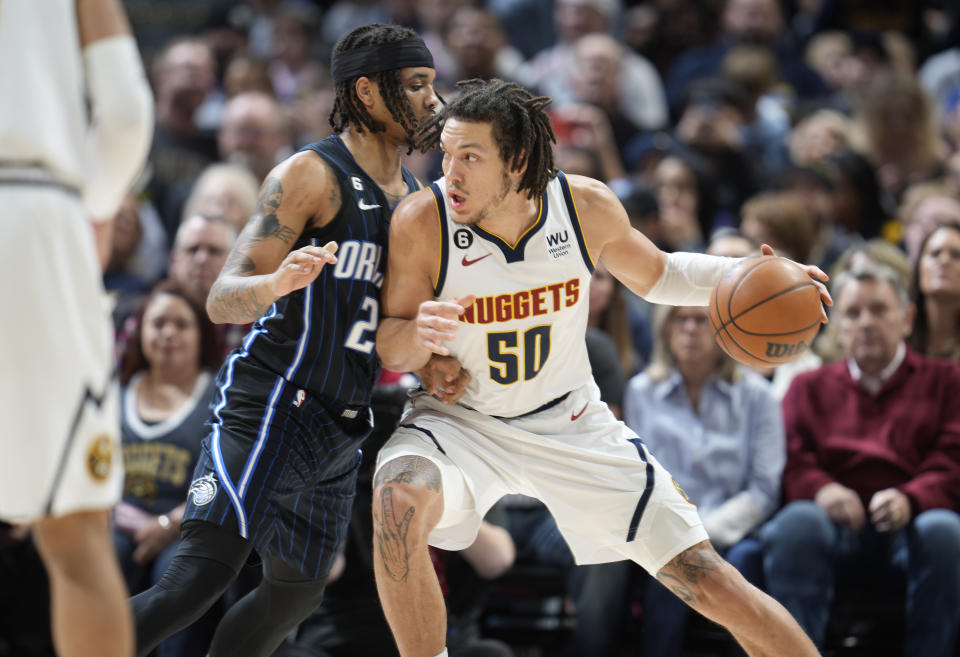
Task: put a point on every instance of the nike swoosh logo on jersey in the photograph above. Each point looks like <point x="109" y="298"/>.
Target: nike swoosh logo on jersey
<point x="576" y="416"/>
<point x="467" y="263"/>
<point x="363" y="206"/>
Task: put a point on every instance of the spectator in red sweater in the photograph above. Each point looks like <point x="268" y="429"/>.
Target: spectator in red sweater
<point x="873" y="472"/>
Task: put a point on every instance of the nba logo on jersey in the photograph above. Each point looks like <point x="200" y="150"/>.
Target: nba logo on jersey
<point x="301" y="395"/>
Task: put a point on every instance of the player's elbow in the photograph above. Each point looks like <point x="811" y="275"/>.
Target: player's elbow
<point x="497" y="565"/>
<point x="399" y="360"/>
<point x="213" y="307"/>
<point x="130" y="116"/>
<point x="498" y="555"/>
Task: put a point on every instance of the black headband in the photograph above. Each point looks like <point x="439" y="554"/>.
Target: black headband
<point x="382" y="57"/>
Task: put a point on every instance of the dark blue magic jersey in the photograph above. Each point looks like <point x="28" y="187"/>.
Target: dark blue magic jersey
<point x="321" y="338"/>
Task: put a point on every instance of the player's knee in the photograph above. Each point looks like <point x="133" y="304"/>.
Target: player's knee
<point x="406" y="508"/>
<point x="410" y="469"/>
<point x="296" y="599"/>
<point x="408" y="494"/>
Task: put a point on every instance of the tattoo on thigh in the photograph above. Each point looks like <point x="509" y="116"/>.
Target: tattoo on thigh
<point x="391" y="536"/>
<point x="414" y="470"/>
<point x="687" y="570"/>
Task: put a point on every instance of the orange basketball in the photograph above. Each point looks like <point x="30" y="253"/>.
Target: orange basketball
<point x="765" y="311"/>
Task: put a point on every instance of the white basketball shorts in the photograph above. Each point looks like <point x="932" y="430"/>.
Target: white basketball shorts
<point x="59" y="418"/>
<point x="611" y="499"/>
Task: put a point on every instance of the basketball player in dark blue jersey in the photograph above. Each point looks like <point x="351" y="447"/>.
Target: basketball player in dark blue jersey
<point x="278" y="469"/>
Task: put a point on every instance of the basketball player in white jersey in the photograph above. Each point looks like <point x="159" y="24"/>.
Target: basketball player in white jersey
<point x="517" y="243"/>
<point x="63" y="172"/>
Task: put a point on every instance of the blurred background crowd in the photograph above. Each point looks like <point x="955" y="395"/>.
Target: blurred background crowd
<point x="828" y="129"/>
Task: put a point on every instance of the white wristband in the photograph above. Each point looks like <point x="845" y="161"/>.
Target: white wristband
<point x="688" y="279"/>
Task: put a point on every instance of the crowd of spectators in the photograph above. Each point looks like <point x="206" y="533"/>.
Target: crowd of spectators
<point x="829" y="129"/>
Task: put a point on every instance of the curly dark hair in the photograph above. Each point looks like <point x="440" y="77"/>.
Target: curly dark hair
<point x="347" y="109"/>
<point x="521" y="127"/>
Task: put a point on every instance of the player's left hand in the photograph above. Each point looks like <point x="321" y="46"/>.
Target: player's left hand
<point x="889" y="510"/>
<point x="444" y="378"/>
<point x="816" y="274"/>
<point x="151" y="540"/>
<point x="301" y="267"/>
<point x="437" y="322"/>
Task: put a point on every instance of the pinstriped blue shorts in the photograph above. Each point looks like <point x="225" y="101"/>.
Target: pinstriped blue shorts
<point x="281" y="473"/>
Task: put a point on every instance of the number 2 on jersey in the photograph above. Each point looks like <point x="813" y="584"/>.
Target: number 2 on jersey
<point x="505" y="361"/>
<point x="356" y="338"/>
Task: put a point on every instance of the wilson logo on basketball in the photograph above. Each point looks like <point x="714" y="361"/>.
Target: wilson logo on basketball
<point x="776" y="350"/>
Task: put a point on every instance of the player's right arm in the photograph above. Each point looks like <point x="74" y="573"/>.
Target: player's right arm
<point x="413" y="325"/>
<point x="678" y="278"/>
<point x="300" y="191"/>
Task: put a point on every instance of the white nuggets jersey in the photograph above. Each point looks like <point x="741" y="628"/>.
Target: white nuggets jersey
<point x="44" y="120"/>
<point x="523" y="339"/>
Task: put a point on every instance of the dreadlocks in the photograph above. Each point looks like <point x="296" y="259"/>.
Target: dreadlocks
<point x="521" y="128"/>
<point x="347" y="109"/>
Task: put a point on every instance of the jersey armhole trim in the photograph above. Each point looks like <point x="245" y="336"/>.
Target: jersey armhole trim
<point x="442" y="218"/>
<point x="575" y="220"/>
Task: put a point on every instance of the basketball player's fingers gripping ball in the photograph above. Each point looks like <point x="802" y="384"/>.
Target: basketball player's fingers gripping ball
<point x="816" y="274"/>
<point x="765" y="311"/>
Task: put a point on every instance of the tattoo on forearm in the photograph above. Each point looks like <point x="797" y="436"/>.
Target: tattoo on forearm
<point x="391" y="537"/>
<point x="236" y="302"/>
<point x="238" y="263"/>
<point x="233" y="297"/>
<point x="687" y="570"/>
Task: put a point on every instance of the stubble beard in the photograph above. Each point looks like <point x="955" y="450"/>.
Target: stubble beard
<point x="493" y="205"/>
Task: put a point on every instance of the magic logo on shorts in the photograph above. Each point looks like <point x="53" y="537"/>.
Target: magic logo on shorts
<point x="203" y="490"/>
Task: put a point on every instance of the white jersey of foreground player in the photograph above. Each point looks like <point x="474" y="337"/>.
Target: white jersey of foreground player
<point x="532" y="302"/>
<point x="61" y="167"/>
